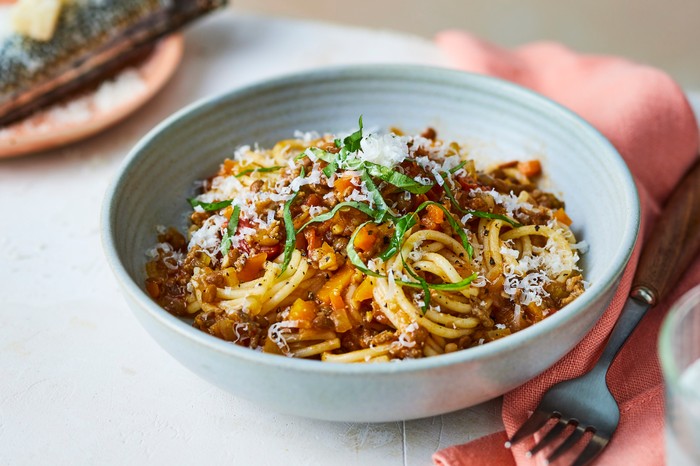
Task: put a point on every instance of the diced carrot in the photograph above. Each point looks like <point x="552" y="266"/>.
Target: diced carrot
<point x="364" y="291"/>
<point x="339" y="316"/>
<point x="510" y="164"/>
<point x="343" y="184"/>
<point x="336" y="284"/>
<point x="253" y="267"/>
<point x="327" y="258"/>
<point x="227" y="212"/>
<point x="434" y="216"/>
<point x="228" y="166"/>
<point x="366" y="237"/>
<point x="530" y="168"/>
<point x="560" y="214"/>
<point x="303" y="312"/>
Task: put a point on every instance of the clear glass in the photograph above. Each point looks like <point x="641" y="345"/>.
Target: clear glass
<point x="679" y="351"/>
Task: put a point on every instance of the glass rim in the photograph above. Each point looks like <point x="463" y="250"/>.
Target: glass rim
<point x="669" y="366"/>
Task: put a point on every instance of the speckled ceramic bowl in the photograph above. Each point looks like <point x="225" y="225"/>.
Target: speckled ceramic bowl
<point x="495" y="118"/>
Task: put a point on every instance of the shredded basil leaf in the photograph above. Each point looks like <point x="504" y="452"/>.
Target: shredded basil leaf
<point x="209" y="206"/>
<point x="396" y="178"/>
<point x="353" y="142"/>
<point x="479" y="213"/>
<point x="475" y="213"/>
<point x="258" y="169"/>
<point x="454" y="170"/>
<point x="291" y="239"/>
<point x="423" y="285"/>
<point x="362" y="207"/>
<point x="331" y="168"/>
<point x="455" y="226"/>
<point x="401" y="226"/>
<point x="408" y="221"/>
<point x="379" y="201"/>
<point x="230" y="230"/>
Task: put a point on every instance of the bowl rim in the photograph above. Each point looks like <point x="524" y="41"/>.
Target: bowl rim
<point x="609" y="277"/>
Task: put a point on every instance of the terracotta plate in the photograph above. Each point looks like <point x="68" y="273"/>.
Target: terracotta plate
<point x="86" y="115"/>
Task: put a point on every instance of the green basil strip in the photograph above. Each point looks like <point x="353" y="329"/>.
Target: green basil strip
<point x="230" y="230"/>
<point x="355" y="258"/>
<point x="454" y="170"/>
<point x="423" y="284"/>
<point x="321" y="154"/>
<point x="353" y="142"/>
<point x="331" y="168"/>
<point x="475" y="213"/>
<point x="259" y="170"/>
<point x="455" y="226"/>
<point x="209" y="206"/>
<point x="291" y="239"/>
<point x="396" y="178"/>
<point x="450" y="196"/>
<point x="401" y="226"/>
<point x="379" y="201"/>
<point x="460" y="285"/>
<point x="480" y="214"/>
<point x="362" y="207"/>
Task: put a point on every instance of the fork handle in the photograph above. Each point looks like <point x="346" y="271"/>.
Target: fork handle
<point x="672" y="246"/>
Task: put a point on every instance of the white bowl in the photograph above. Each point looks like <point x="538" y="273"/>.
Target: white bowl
<point x="496" y="117"/>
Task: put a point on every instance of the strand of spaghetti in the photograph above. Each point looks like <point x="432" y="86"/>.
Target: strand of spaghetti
<point x="383" y="358"/>
<point x="494" y="243"/>
<point x="318" y="348"/>
<point x="439" y="266"/>
<point x="451" y="303"/>
<point x="398" y="317"/>
<point x="526" y="245"/>
<point x="541" y="230"/>
<point x="442" y="331"/>
<point x="432" y="235"/>
<point x="358" y="355"/>
<point x="452" y="321"/>
<point x="256" y="287"/>
<point x="290" y="285"/>
<point x="307" y="335"/>
<point x="193" y="307"/>
<point x="433" y="343"/>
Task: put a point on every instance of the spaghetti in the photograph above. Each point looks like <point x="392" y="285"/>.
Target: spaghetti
<point x="369" y="248"/>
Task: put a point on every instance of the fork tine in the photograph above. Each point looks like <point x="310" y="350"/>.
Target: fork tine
<point x="529" y="427"/>
<point x="594" y="447"/>
<point x="553" y="433"/>
<point x="566" y="444"/>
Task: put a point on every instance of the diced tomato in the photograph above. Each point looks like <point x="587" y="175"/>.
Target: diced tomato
<point x="313" y="241"/>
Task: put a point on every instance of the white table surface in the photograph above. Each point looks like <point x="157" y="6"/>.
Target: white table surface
<point x="80" y="381"/>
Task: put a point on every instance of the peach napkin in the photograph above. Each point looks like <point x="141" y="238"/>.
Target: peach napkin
<point x="646" y="116"/>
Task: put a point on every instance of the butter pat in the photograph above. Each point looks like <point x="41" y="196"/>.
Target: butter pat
<point x="36" y="19"/>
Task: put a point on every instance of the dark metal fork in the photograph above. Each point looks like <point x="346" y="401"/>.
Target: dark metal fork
<point x="584" y="405"/>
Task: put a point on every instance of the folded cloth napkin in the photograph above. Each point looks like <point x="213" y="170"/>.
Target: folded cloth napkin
<point x="646" y="116"/>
